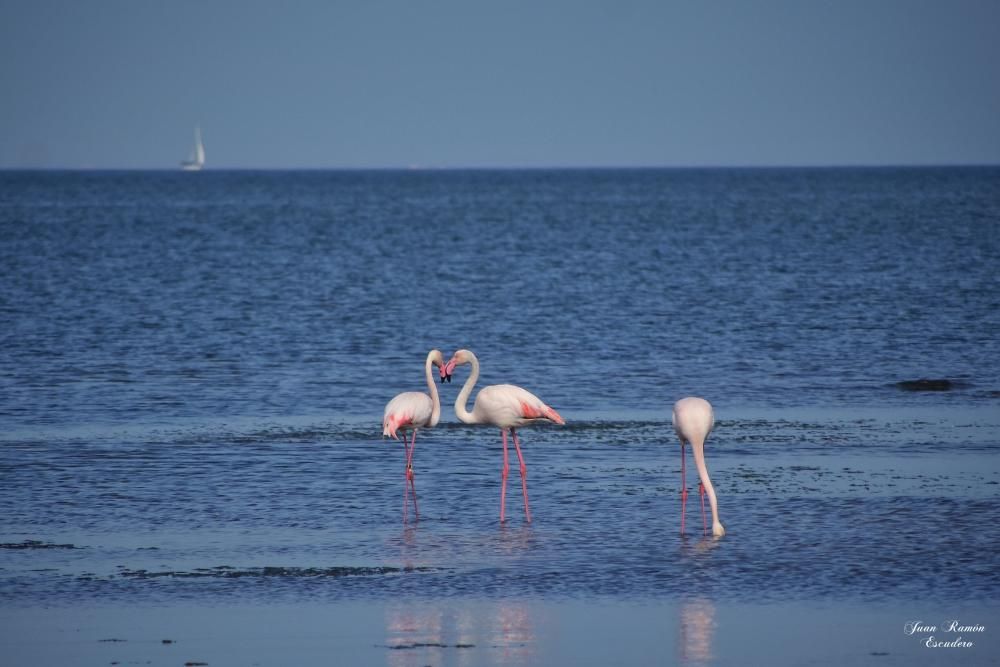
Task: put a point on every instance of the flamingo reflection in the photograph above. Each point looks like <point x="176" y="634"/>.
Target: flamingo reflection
<point x="419" y="634"/>
<point x="697" y="628"/>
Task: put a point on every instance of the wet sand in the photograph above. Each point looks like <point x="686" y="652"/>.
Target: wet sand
<point x="414" y="633"/>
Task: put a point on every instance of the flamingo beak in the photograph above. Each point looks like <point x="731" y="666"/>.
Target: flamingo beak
<point x="445" y="372"/>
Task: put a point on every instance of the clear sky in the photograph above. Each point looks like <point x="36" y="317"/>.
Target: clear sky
<point x="396" y="83"/>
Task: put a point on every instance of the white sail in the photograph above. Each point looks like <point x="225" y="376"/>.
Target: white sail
<point x="197" y="159"/>
<point x="199" y="148"/>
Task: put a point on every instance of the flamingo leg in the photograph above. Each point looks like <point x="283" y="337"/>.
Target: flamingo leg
<point x="406" y="475"/>
<point x="684" y="490"/>
<point x="409" y="473"/>
<point x="524" y="476"/>
<point x="503" y="476"/>
<point x="704" y="521"/>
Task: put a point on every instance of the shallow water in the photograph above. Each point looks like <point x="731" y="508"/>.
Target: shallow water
<point x="824" y="508"/>
<point x="194" y="370"/>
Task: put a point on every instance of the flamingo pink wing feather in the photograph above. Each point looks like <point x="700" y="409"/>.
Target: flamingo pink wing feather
<point x="540" y="411"/>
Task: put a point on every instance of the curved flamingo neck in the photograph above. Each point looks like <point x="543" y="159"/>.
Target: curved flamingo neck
<point x="463" y="396"/>
<point x="698" y="449"/>
<point x="432" y="387"/>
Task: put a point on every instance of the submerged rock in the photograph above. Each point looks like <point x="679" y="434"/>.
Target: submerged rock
<point x="924" y="384"/>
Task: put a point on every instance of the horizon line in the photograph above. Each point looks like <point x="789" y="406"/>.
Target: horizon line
<point x="596" y="167"/>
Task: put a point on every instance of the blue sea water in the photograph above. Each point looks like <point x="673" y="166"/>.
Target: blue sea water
<point x="193" y="369"/>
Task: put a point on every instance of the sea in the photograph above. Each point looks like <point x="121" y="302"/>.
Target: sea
<point x="194" y="367"/>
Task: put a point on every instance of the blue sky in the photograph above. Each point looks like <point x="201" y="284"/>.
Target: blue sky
<point x="370" y="83"/>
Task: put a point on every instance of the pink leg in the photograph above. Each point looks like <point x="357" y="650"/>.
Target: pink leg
<point x="408" y="484"/>
<point x="524" y="476"/>
<point x="409" y="474"/>
<point x="704" y="521"/>
<point x="406" y="476"/>
<point x="684" y="490"/>
<point x="503" y="476"/>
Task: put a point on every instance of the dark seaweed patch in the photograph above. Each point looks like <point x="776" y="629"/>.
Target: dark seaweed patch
<point x="228" y="572"/>
<point x="403" y="647"/>
<point x="35" y="544"/>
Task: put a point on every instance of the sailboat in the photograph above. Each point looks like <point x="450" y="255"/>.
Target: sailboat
<point x="197" y="159"/>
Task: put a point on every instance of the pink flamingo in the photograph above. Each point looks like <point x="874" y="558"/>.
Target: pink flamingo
<point x="506" y="406"/>
<point x="413" y="410"/>
<point x="693" y="421"/>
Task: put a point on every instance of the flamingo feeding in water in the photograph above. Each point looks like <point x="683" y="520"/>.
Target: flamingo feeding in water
<point x="693" y="420"/>
<point x="413" y="410"/>
<point x="504" y="405"/>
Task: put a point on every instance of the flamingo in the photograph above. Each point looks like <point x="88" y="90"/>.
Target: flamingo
<point x="504" y="405"/>
<point x="693" y="421"/>
<point x="411" y="411"/>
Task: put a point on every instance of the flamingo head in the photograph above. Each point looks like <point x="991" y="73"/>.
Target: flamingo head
<point x="438" y="360"/>
<point x="460" y="357"/>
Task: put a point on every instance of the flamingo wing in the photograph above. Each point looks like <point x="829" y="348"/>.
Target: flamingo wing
<point x="409" y="410"/>
<point x="508" y="405"/>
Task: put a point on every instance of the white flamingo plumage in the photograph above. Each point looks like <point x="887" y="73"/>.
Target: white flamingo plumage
<point x="504" y="405"/>
<point x="411" y="411"/>
<point x="693" y="420"/>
